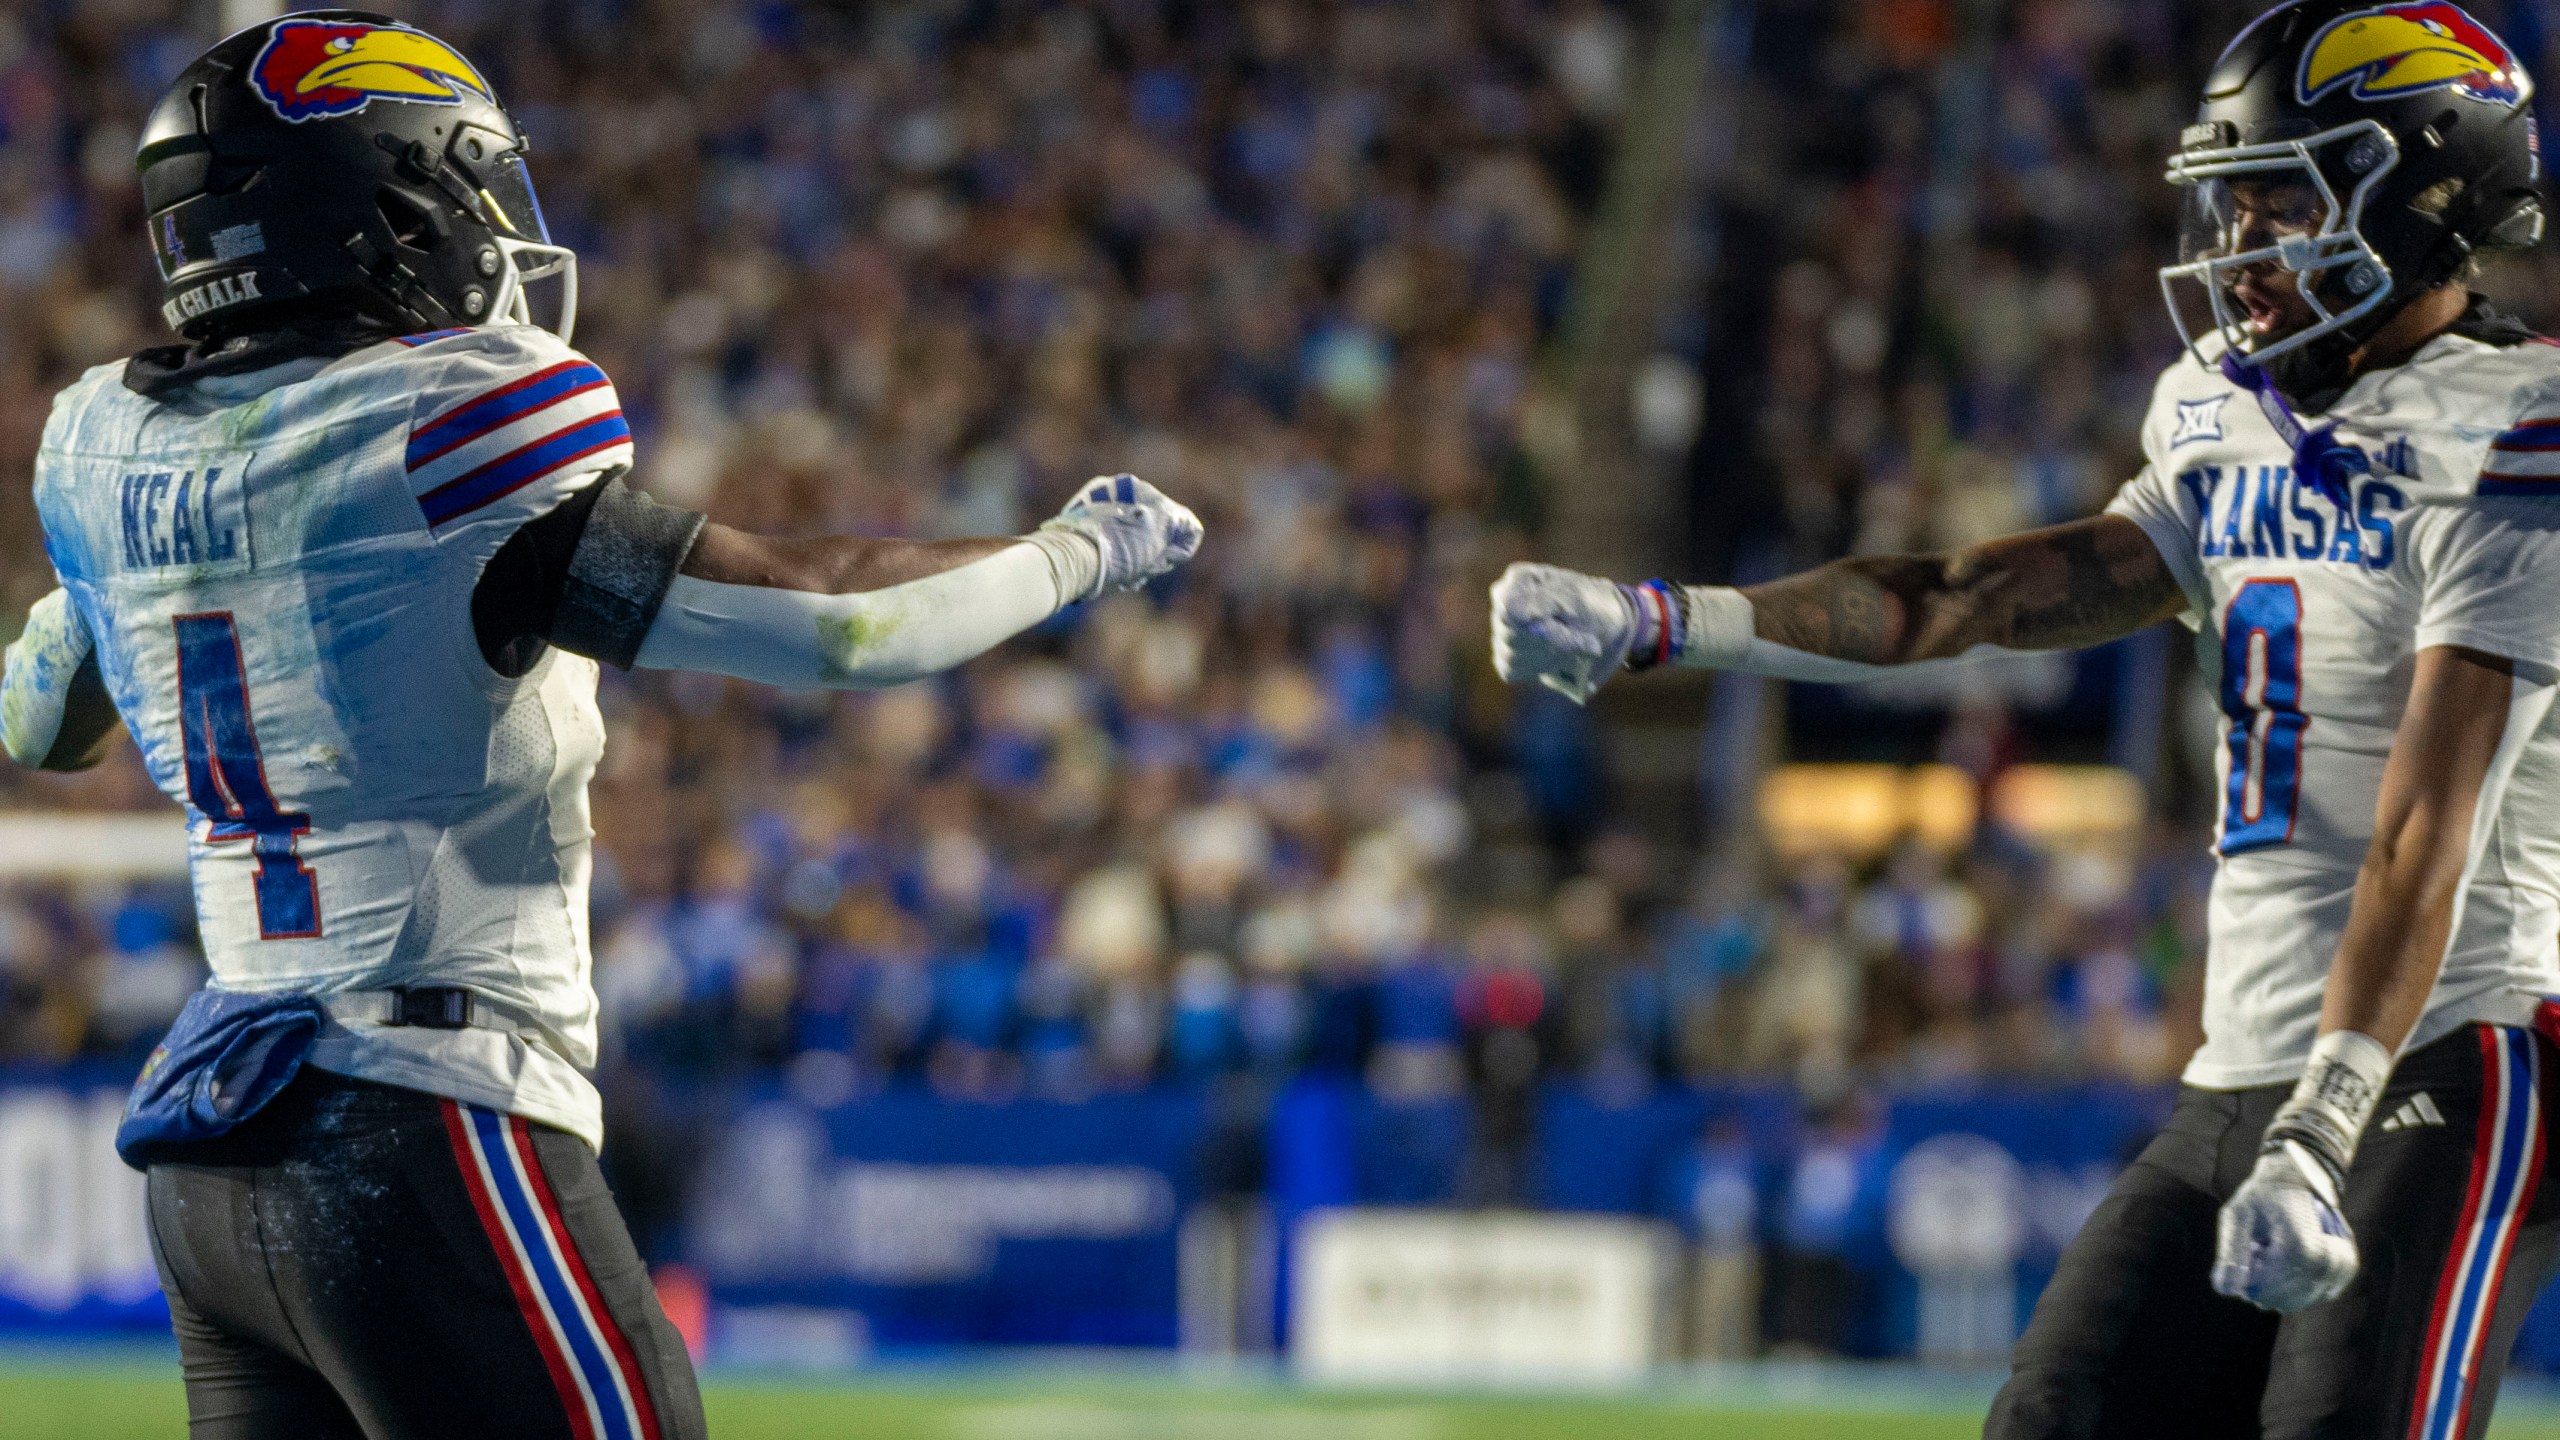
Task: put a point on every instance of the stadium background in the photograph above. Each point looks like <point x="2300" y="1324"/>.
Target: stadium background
<point x="1043" y="1005"/>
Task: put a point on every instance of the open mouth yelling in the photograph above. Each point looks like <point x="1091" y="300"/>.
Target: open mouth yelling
<point x="2272" y="307"/>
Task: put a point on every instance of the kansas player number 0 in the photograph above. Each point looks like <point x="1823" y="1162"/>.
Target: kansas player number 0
<point x="2262" y="696"/>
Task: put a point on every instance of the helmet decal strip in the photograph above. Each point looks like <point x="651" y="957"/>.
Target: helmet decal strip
<point x="2392" y="51"/>
<point x="316" y="68"/>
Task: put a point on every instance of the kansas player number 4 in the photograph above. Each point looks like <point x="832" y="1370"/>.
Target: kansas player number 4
<point x="227" y="778"/>
<point x="2262" y="696"/>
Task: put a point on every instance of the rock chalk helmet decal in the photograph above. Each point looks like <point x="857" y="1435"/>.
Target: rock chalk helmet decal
<point x="2391" y="51"/>
<point x="312" y="69"/>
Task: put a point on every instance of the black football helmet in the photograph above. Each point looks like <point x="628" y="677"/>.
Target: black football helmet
<point x="2408" y="133"/>
<point x="337" y="156"/>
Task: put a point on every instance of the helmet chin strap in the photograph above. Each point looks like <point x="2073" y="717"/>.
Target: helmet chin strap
<point x="2316" y="373"/>
<point x="2320" y="459"/>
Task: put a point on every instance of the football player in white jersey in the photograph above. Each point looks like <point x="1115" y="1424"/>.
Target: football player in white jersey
<point x="345" y="565"/>
<point x="2353" y="495"/>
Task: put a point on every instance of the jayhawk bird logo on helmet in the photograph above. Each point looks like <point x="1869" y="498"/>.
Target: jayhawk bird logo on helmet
<point x="311" y="69"/>
<point x="2395" y="50"/>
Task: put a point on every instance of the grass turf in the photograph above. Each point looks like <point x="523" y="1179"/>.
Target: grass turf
<point x="121" y="1399"/>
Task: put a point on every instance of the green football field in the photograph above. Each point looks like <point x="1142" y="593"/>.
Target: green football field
<point x="76" y="1396"/>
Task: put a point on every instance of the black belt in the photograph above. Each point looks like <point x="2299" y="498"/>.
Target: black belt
<point x="431" y="1007"/>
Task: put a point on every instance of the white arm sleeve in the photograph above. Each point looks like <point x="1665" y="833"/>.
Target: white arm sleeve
<point x="1720" y="638"/>
<point x="800" y="641"/>
<point x="37" y="684"/>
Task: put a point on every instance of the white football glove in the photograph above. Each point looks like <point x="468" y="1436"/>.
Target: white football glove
<point x="1567" y="630"/>
<point x="1141" y="531"/>
<point x="2283" y="1241"/>
<point x="2284" y="1244"/>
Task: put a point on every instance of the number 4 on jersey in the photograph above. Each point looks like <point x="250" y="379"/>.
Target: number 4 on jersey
<point x="2262" y="695"/>
<point x="227" y="779"/>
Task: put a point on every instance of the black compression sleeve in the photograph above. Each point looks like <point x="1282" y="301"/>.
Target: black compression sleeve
<point x="629" y="555"/>
<point x="587" y="576"/>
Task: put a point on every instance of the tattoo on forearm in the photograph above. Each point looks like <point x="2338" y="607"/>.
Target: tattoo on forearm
<point x="1849" y="609"/>
<point x="2071" y="585"/>
<point x="2101" y="592"/>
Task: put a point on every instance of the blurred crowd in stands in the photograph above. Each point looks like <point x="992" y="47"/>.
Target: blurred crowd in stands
<point x="917" y="269"/>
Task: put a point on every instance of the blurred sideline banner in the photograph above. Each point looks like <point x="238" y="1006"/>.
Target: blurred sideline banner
<point x="77" y="845"/>
<point x="73" y="1254"/>
<point x="909" y="1220"/>
<point x="1439" y="1296"/>
<point x="906" y="1220"/>
<point x="1980" y="1193"/>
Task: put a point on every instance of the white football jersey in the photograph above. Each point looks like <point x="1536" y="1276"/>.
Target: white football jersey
<point x="2309" y="617"/>
<point x="278" y="568"/>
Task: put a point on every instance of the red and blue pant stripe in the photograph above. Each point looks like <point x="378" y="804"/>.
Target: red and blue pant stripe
<point x="591" y="1362"/>
<point x="2506" y="1166"/>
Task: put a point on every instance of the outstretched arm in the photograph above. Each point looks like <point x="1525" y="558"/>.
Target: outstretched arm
<point x="828" y="564"/>
<point x="2070" y="585"/>
<point x="845" y="612"/>
<point x="2060" y="588"/>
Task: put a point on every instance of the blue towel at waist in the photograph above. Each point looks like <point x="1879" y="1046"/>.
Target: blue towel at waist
<point x="228" y="1055"/>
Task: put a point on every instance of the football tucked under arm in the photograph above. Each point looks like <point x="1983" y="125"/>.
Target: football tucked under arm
<point x="54" y="709"/>
<point x="847" y="613"/>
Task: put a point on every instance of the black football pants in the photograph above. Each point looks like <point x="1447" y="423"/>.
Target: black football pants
<point x="360" y="1262"/>
<point x="2456" y="1234"/>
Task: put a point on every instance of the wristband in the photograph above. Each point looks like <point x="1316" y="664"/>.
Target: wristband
<point x="1717" y="626"/>
<point x="2325" y="1117"/>
<point x="1661" y="624"/>
<point x="1075" y="560"/>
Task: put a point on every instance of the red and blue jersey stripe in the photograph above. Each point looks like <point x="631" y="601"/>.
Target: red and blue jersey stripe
<point x="521" y="467"/>
<point x="2524" y="460"/>
<point x="501" y="407"/>
<point x="511" y="435"/>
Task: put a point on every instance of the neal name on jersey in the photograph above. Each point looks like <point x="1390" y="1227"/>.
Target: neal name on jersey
<point x="2310" y="612"/>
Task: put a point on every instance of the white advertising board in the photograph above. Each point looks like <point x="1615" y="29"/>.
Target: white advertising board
<point x="72" y="1243"/>
<point x="1420" y="1296"/>
<point x="69" y="845"/>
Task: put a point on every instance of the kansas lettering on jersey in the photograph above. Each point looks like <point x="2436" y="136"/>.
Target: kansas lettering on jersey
<point x="278" y="568"/>
<point x="2267" y="514"/>
<point x="2310" y="611"/>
